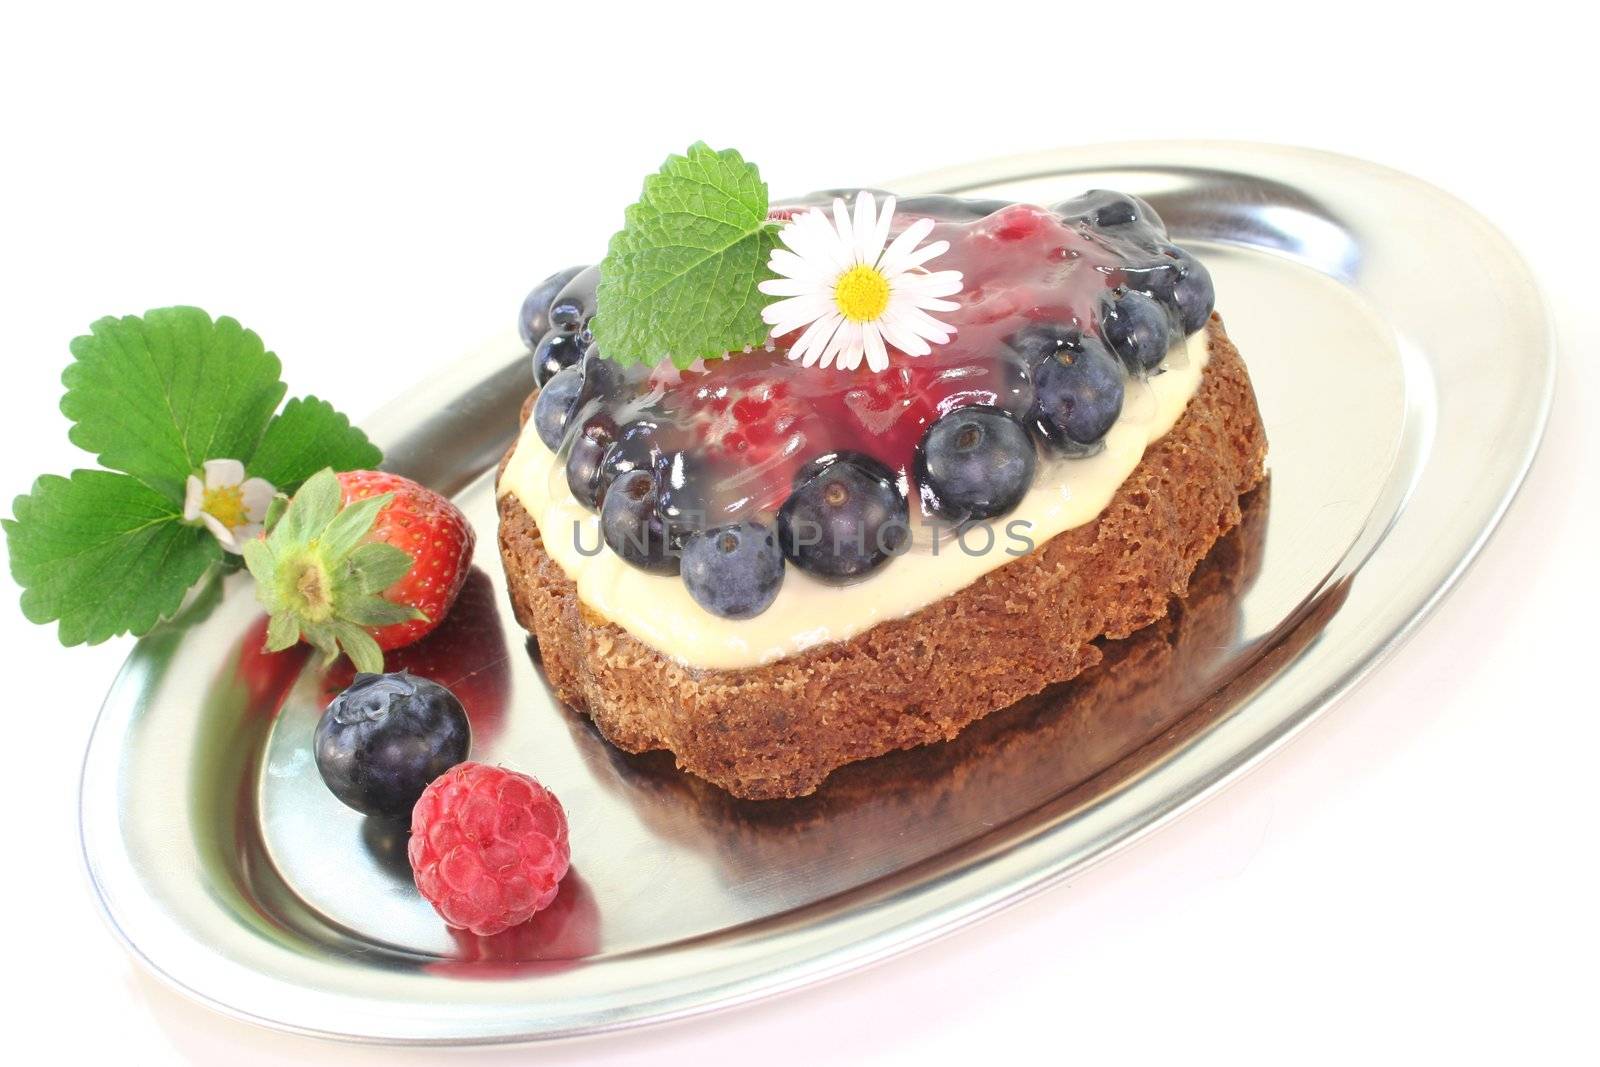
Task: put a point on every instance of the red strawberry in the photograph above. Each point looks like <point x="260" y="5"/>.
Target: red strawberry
<point x="428" y="528"/>
<point x="358" y="563"/>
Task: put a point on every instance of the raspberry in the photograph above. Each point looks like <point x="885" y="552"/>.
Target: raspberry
<point x="488" y="847"/>
<point x="1019" y="222"/>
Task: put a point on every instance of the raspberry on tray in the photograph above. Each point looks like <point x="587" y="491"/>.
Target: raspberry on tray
<point x="488" y="847"/>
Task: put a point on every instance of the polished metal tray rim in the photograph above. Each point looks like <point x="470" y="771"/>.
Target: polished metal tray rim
<point x="911" y="907"/>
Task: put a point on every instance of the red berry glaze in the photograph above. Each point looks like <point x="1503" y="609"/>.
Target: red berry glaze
<point x="726" y="438"/>
<point x="752" y="421"/>
<point x="488" y="847"/>
<point x="433" y="532"/>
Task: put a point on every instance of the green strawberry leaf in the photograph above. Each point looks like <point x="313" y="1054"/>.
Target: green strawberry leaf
<point x="306" y="436"/>
<point x="309" y="513"/>
<point x="679" y="280"/>
<point x="356" y="643"/>
<point x="341" y="536"/>
<point x="380" y="565"/>
<point x="103" y="554"/>
<point x="282" y="630"/>
<point x="157" y="396"/>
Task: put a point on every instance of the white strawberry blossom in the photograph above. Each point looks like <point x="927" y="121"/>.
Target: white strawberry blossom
<point x="853" y="296"/>
<point x="227" y="503"/>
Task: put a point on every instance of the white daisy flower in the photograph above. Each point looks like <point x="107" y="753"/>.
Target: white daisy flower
<point x="853" y="295"/>
<point x="227" y="503"/>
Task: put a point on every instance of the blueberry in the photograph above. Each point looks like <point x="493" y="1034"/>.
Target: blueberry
<point x="603" y="379"/>
<point x="534" y="320"/>
<point x="633" y="527"/>
<point x="1156" y="278"/>
<point x="1080" y="391"/>
<point x="1014" y="388"/>
<point x="1039" y="340"/>
<point x="846" y="517"/>
<point x="1137" y="328"/>
<point x="1190" y="289"/>
<point x="574" y="305"/>
<point x="975" y="462"/>
<point x="554" y="353"/>
<point x="636" y="448"/>
<point x="386" y="737"/>
<point x="688" y="491"/>
<point x="557" y="398"/>
<point x="1106" y="210"/>
<point x="586" y="461"/>
<point x="734" y="571"/>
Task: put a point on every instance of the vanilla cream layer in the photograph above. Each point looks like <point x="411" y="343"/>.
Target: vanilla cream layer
<point x="658" y="610"/>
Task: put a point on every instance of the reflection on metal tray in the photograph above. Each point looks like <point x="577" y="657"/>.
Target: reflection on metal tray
<point x="1403" y="364"/>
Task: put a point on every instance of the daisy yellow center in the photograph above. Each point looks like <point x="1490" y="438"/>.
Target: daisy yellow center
<point x="862" y="294"/>
<point x="226" y="505"/>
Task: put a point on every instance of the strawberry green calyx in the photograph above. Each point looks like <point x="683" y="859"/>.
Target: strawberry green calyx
<point x="320" y="581"/>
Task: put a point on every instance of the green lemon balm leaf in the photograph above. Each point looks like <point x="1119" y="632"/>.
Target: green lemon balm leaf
<point x="679" y="280"/>
<point x="158" y="395"/>
<point x="306" y="436"/>
<point x="103" y="554"/>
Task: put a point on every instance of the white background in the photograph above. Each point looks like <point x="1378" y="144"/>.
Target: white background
<point x="373" y="190"/>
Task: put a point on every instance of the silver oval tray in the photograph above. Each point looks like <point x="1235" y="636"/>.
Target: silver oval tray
<point x="1404" y="366"/>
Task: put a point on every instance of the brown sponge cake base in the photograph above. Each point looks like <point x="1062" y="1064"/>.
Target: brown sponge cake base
<point x="779" y="729"/>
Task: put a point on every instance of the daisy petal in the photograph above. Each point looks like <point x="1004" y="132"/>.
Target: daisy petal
<point x="881" y="234"/>
<point x="926" y="303"/>
<point x="911" y="259"/>
<point x="877" y="355"/>
<point x="903" y="244"/>
<point x="866" y="226"/>
<point x="818" y="334"/>
<point x="815" y="240"/>
<point x="788" y="286"/>
<point x="804" y="308"/>
<point x="927" y="326"/>
<point x="846" y="229"/>
<point x="845" y="343"/>
<point x="854" y="350"/>
<point x="789" y="265"/>
<point x="939" y="283"/>
<point x="902" y="338"/>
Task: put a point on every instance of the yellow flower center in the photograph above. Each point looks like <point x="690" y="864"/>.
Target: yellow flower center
<point x="226" y="505"/>
<point x="862" y="294"/>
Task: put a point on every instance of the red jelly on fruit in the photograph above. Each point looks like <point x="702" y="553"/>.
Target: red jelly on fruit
<point x="1058" y="309"/>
